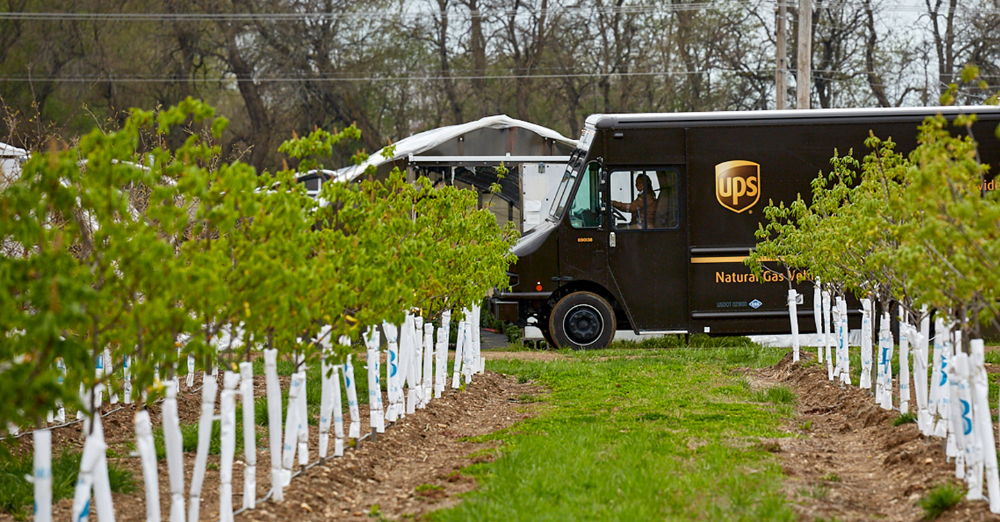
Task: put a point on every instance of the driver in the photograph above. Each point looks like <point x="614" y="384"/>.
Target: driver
<point x="644" y="206"/>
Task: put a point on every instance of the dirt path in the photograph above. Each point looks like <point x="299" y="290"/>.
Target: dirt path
<point x="846" y="461"/>
<point x="425" y="449"/>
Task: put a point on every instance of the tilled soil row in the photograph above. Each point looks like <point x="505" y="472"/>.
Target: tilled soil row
<point x="846" y="461"/>
<point x="427" y="447"/>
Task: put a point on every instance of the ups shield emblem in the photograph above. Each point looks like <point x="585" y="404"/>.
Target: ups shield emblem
<point x="737" y="184"/>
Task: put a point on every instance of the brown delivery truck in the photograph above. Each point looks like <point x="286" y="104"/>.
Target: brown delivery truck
<point x="655" y="214"/>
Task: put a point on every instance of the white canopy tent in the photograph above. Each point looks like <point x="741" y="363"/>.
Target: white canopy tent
<point x="11" y="158"/>
<point x="427" y="141"/>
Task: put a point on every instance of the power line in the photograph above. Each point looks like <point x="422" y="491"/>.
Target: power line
<point x="382" y="15"/>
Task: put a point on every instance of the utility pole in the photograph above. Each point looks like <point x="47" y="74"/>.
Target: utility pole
<point x="803" y="81"/>
<point x="780" y="80"/>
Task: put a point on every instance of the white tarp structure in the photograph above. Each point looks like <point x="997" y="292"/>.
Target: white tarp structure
<point x="10" y="161"/>
<point x="427" y="140"/>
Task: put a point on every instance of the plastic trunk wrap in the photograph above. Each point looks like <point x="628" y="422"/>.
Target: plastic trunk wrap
<point x="984" y="424"/>
<point x="354" y="431"/>
<point x="42" y="475"/>
<point x="920" y="374"/>
<point x="291" y="430"/>
<point x="818" y="317"/>
<point x="175" y="453"/>
<point x="428" y="371"/>
<point x="227" y="412"/>
<point x="208" y="392"/>
<point x="459" y="355"/>
<point x="826" y="334"/>
<point x="941" y="367"/>
<point x="866" y="344"/>
<point x="274" y="419"/>
<point x="416" y="364"/>
<point x="904" y="362"/>
<point x="375" y="412"/>
<point x="392" y="374"/>
<point x="793" y="315"/>
<point x="441" y="373"/>
<point x="147" y="453"/>
<point x="249" y="436"/>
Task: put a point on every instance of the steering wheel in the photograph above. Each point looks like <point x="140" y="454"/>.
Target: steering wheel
<point x="619" y="217"/>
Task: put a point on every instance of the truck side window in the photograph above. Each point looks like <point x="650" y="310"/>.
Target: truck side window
<point x="586" y="209"/>
<point x="645" y="199"/>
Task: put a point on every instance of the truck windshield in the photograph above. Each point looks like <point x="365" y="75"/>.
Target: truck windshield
<point x="566" y="185"/>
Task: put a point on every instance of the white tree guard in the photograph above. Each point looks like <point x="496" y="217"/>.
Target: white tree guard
<point x="441" y="374"/>
<point x="793" y="316"/>
<point x="60" y="410"/>
<point x="427" y="385"/>
<point x="102" y="482"/>
<point x="904" y="362"/>
<point x="249" y="436"/>
<point x="866" y="344"/>
<point x="325" y="404"/>
<point x="99" y="370"/>
<point x="469" y="351"/>
<point x="291" y="430"/>
<point x="936" y="353"/>
<point x="126" y="381"/>
<point x="190" y="375"/>
<point x="302" y="419"/>
<point x="477" y="339"/>
<point x="376" y="420"/>
<point x="843" y="341"/>
<point x="208" y="393"/>
<point x="227" y="411"/>
<point x="175" y="453"/>
<point x="885" y="363"/>
<point x="838" y="356"/>
<point x="951" y="446"/>
<point x="984" y="424"/>
<point x="42" y="474"/>
<point x="920" y="374"/>
<point x="961" y="419"/>
<point x="943" y="389"/>
<point x="393" y="375"/>
<point x="417" y="364"/>
<point x="408" y="357"/>
<point x="826" y="334"/>
<point x="93" y="449"/>
<point x="459" y="354"/>
<point x="352" y="399"/>
<point x="147" y="453"/>
<point x="338" y="414"/>
<point x="274" y="419"/>
<point x="818" y="317"/>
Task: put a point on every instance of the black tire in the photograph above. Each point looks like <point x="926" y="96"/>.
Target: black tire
<point x="582" y="320"/>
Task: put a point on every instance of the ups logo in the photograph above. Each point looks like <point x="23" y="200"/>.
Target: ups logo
<point x="737" y="184"/>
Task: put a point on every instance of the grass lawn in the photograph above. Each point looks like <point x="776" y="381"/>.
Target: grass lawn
<point x="638" y="434"/>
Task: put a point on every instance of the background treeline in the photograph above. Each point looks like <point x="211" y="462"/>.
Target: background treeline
<point x="395" y="67"/>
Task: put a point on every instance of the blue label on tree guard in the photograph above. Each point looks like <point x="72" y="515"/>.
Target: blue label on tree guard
<point x="755" y="304"/>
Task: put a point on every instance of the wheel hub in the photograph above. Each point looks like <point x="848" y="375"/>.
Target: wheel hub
<point x="583" y="325"/>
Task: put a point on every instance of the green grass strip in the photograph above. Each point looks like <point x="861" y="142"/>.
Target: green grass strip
<point x="638" y="435"/>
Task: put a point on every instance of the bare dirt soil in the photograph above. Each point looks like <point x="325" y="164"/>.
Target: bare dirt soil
<point x="423" y="451"/>
<point x="845" y="460"/>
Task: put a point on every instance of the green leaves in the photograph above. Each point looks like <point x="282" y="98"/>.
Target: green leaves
<point x="154" y="252"/>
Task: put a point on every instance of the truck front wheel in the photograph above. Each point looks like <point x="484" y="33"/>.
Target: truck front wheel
<point x="582" y="320"/>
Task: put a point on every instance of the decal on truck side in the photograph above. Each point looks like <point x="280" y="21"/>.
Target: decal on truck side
<point x="737" y="184"/>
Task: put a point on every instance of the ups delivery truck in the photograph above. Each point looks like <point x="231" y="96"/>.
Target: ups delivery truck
<point x="656" y="212"/>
